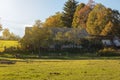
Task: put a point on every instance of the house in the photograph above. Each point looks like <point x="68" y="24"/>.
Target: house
<point x="116" y="41"/>
<point x="108" y="41"/>
<point x="81" y="33"/>
<point x="76" y="32"/>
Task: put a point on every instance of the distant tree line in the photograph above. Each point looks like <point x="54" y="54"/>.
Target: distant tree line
<point x="7" y="35"/>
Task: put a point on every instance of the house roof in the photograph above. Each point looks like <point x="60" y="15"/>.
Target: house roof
<point x="76" y="31"/>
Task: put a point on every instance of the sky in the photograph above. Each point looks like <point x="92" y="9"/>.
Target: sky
<point x="17" y="14"/>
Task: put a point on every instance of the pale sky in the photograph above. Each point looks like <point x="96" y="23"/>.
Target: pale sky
<point x="15" y="14"/>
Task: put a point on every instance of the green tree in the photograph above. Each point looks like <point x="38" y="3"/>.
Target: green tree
<point x="115" y="19"/>
<point x="68" y="13"/>
<point x="75" y="22"/>
<point x="54" y="21"/>
<point x="14" y="37"/>
<point x="38" y="23"/>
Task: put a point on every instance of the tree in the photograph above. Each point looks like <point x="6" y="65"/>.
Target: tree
<point x="108" y="29"/>
<point x="115" y="19"/>
<point x="26" y="41"/>
<point x="75" y="22"/>
<point x="36" y="38"/>
<point x="83" y="16"/>
<point x="54" y="21"/>
<point x="103" y="21"/>
<point x="38" y="23"/>
<point x="14" y="37"/>
<point x="6" y="34"/>
<point x="98" y="19"/>
<point x="69" y="10"/>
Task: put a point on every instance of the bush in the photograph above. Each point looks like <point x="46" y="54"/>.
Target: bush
<point x="108" y="52"/>
<point x="12" y="49"/>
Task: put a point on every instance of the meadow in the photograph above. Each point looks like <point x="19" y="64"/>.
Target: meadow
<point x="7" y="44"/>
<point x="61" y="70"/>
<point x="29" y="67"/>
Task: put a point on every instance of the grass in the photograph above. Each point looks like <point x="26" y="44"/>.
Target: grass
<point x="7" y="44"/>
<point x="61" y="70"/>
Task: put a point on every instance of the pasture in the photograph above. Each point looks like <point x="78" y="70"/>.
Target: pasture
<point x="7" y="44"/>
<point x="61" y="70"/>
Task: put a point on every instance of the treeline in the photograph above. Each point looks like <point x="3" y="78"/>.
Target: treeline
<point x="95" y="18"/>
<point x="7" y="35"/>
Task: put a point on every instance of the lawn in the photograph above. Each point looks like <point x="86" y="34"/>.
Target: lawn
<point x="8" y="44"/>
<point x="61" y="70"/>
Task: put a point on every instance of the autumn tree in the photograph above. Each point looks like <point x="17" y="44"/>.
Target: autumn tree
<point x="83" y="16"/>
<point x="75" y="22"/>
<point x="36" y="37"/>
<point x="54" y="21"/>
<point x="97" y="19"/>
<point x="108" y="29"/>
<point x="103" y="21"/>
<point x="68" y="13"/>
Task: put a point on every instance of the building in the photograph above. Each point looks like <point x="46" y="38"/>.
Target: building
<point x="81" y="33"/>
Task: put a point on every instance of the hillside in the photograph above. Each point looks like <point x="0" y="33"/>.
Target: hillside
<point x="7" y="44"/>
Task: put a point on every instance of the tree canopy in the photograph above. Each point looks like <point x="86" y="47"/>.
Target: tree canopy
<point x="76" y="18"/>
<point x="54" y="21"/>
<point x="68" y="13"/>
<point x="103" y="21"/>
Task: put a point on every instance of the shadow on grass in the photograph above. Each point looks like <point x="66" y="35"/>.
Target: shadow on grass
<point x="25" y="57"/>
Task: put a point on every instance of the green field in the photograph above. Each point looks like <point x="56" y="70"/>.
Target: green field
<point x="61" y="70"/>
<point x="7" y="44"/>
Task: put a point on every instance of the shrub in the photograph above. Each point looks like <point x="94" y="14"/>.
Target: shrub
<point x="108" y="52"/>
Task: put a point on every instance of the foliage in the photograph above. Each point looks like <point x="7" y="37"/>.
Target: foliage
<point x="115" y="19"/>
<point x="54" y="21"/>
<point x="36" y="37"/>
<point x="108" y="29"/>
<point x="7" y="35"/>
<point x="97" y="19"/>
<point x="108" y="52"/>
<point x="69" y="10"/>
<point x="103" y="21"/>
<point x="76" y="18"/>
<point x="38" y="23"/>
<point x="83" y="16"/>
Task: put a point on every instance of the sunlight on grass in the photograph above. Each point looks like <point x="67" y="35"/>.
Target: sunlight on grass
<point x="62" y="70"/>
<point x="8" y="44"/>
